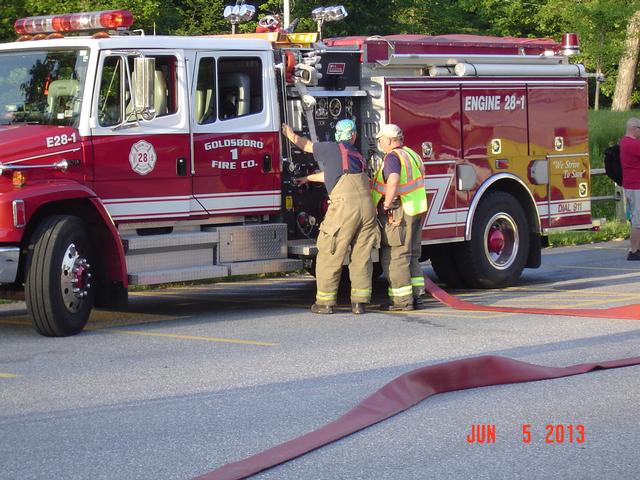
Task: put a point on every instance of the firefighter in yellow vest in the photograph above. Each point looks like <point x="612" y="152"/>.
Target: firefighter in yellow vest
<point x="400" y="198"/>
<point x="350" y="220"/>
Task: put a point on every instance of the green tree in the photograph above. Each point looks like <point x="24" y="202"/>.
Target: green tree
<point x="201" y="17"/>
<point x="628" y="67"/>
<point x="374" y="17"/>
<point x="11" y="11"/>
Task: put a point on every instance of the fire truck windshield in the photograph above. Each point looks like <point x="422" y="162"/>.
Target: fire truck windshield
<point x="42" y="87"/>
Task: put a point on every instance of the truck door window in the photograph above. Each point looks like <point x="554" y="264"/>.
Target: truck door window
<point x="205" y="101"/>
<point x="239" y="87"/>
<point x="165" y="95"/>
<point x="115" y="104"/>
<point x="111" y="100"/>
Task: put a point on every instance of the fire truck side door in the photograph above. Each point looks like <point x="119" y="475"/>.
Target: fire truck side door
<point x="430" y="119"/>
<point x="139" y="164"/>
<point x="236" y="133"/>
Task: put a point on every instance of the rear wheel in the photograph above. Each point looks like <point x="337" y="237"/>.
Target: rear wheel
<point x="58" y="288"/>
<point x="499" y="246"/>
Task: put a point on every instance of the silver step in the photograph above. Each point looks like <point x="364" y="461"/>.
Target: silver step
<point x="178" y="275"/>
<point x="252" y="242"/>
<point x="304" y="247"/>
<point x="132" y="243"/>
<point x="264" y="266"/>
<point x="214" y="252"/>
<point x="308" y="248"/>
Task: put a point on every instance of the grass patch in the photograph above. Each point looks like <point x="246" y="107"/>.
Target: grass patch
<point x="611" y="230"/>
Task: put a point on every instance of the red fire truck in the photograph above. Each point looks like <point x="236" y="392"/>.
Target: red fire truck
<point x="128" y="159"/>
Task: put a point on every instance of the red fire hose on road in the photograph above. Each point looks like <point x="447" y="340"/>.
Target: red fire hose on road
<point x="404" y="392"/>
<point x="413" y="387"/>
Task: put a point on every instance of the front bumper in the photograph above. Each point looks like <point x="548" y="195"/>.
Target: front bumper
<point x="9" y="259"/>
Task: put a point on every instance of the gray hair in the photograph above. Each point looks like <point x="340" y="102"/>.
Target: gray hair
<point x="633" y="122"/>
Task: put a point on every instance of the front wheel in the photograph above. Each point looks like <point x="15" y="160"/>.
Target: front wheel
<point x="499" y="246"/>
<point x="58" y="287"/>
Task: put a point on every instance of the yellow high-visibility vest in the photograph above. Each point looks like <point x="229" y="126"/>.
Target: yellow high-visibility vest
<point x="411" y="191"/>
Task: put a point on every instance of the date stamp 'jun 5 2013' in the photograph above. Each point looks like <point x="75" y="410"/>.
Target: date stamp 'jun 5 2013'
<point x="554" y="433"/>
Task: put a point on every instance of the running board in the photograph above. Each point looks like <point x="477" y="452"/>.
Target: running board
<point x="208" y="252"/>
<point x="178" y="275"/>
<point x="215" y="271"/>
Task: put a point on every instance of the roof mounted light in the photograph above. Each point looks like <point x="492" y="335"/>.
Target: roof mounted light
<point x="570" y="44"/>
<point x="238" y="13"/>
<point x="73" y="22"/>
<point x="328" y="14"/>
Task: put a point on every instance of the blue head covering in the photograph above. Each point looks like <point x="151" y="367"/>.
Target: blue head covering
<point x="344" y="129"/>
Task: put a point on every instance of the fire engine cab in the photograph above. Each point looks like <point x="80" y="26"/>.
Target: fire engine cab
<point x="129" y="159"/>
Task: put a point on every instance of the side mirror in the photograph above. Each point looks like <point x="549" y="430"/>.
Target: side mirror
<point x="144" y="86"/>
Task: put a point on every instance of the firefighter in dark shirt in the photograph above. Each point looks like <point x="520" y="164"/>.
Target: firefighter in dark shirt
<point x="350" y="220"/>
<point x="400" y="198"/>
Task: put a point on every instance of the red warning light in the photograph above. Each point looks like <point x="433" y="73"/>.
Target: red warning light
<point x="114" y="19"/>
<point x="73" y="22"/>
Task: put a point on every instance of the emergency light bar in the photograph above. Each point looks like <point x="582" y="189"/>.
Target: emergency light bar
<point x="73" y="22"/>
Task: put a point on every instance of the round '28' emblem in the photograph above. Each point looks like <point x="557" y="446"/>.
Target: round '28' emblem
<point x="142" y="157"/>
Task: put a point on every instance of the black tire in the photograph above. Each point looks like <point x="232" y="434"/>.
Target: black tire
<point x="58" y="288"/>
<point x="443" y="261"/>
<point x="499" y="246"/>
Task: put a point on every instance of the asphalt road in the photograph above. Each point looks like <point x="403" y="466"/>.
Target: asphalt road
<point x="188" y="379"/>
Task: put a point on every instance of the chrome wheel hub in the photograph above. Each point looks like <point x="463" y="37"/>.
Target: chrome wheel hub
<point x="501" y="241"/>
<point x="75" y="279"/>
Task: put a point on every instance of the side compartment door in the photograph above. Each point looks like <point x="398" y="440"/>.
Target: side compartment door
<point x="429" y="116"/>
<point x="558" y="127"/>
<point x="139" y="165"/>
<point x="236" y="133"/>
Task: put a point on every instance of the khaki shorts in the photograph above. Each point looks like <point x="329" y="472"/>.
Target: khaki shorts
<point x="633" y="206"/>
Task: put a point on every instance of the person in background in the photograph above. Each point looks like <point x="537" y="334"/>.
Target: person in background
<point x="630" y="162"/>
<point x="401" y="199"/>
<point x="350" y="221"/>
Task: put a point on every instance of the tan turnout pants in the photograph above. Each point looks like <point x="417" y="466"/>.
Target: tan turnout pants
<point x="349" y="222"/>
<point x="400" y="253"/>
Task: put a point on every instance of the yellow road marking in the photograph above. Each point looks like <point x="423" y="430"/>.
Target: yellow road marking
<point x="13" y="322"/>
<point x="191" y="337"/>
<point x="585" y="293"/>
<point x="429" y="312"/>
<point x="465" y="314"/>
<point x="522" y="303"/>
<point x="558" y="266"/>
<point x="8" y="375"/>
